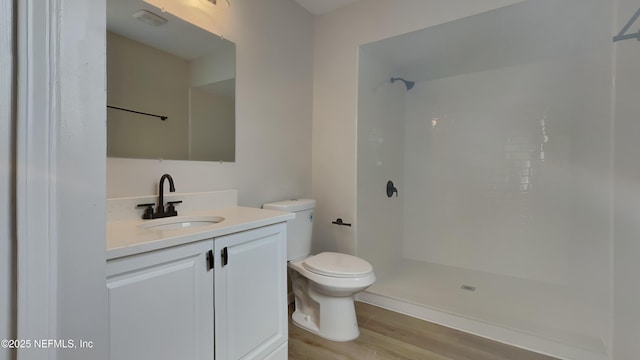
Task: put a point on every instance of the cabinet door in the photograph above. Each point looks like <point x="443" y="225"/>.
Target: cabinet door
<point x="250" y="293"/>
<point x="161" y="304"/>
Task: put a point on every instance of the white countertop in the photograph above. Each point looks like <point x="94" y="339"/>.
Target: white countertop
<point x="125" y="238"/>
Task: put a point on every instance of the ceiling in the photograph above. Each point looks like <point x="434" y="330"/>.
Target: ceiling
<point x="319" y="7"/>
<point x="510" y="36"/>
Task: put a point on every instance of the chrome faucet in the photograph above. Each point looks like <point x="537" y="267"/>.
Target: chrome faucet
<point x="161" y="211"/>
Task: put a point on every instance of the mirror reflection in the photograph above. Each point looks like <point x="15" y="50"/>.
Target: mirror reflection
<point x="160" y="66"/>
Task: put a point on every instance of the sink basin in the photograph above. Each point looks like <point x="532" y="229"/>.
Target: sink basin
<point x="180" y="222"/>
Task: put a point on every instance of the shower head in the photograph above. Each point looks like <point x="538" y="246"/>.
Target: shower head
<point x="408" y="84"/>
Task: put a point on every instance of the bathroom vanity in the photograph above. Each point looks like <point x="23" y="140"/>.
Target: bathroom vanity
<point x="209" y="283"/>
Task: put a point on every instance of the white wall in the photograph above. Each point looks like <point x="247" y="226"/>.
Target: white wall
<point x="7" y="216"/>
<point x="273" y="109"/>
<point x="626" y="315"/>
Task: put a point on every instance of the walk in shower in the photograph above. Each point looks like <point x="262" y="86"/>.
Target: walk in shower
<point x="500" y="152"/>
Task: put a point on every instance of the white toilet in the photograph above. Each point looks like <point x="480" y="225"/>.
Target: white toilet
<point x="323" y="284"/>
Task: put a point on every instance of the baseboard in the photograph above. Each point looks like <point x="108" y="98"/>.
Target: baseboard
<point x="491" y="331"/>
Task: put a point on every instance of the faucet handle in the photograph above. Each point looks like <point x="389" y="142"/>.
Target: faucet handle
<point x="148" y="212"/>
<point x="171" y="208"/>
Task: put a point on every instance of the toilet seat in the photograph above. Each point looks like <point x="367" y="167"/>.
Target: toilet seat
<point x="337" y="265"/>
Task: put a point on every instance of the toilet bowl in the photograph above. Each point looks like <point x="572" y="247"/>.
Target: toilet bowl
<point x="324" y="285"/>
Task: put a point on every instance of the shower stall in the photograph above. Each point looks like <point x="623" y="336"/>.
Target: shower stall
<point x="500" y="151"/>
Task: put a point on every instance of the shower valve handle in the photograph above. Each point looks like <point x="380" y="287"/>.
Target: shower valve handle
<point x="391" y="189"/>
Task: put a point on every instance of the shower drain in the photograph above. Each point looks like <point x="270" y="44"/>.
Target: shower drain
<point x="468" y="287"/>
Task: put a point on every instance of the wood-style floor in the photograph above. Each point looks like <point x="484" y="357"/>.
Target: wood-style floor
<point x="388" y="335"/>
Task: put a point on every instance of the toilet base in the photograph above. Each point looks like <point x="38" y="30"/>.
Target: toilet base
<point x="332" y="318"/>
<point x="304" y="322"/>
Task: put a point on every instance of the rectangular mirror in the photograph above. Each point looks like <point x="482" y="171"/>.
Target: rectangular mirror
<point x="170" y="87"/>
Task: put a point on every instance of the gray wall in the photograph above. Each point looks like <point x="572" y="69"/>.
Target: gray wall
<point x="626" y="248"/>
<point x="146" y="79"/>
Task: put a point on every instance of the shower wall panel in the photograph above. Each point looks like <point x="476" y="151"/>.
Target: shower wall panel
<point x="380" y="159"/>
<point x="508" y="167"/>
<point x="491" y="190"/>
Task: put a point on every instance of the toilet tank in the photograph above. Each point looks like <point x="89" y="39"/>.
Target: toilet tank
<point x="298" y="229"/>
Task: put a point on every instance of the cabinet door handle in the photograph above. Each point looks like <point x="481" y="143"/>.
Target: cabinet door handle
<point x="225" y="256"/>
<point x="209" y="260"/>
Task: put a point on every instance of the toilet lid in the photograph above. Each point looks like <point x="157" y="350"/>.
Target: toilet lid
<point x="337" y="265"/>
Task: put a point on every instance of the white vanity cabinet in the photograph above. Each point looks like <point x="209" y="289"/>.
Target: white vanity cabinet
<point x="250" y="294"/>
<point x="167" y="302"/>
<point x="161" y="304"/>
